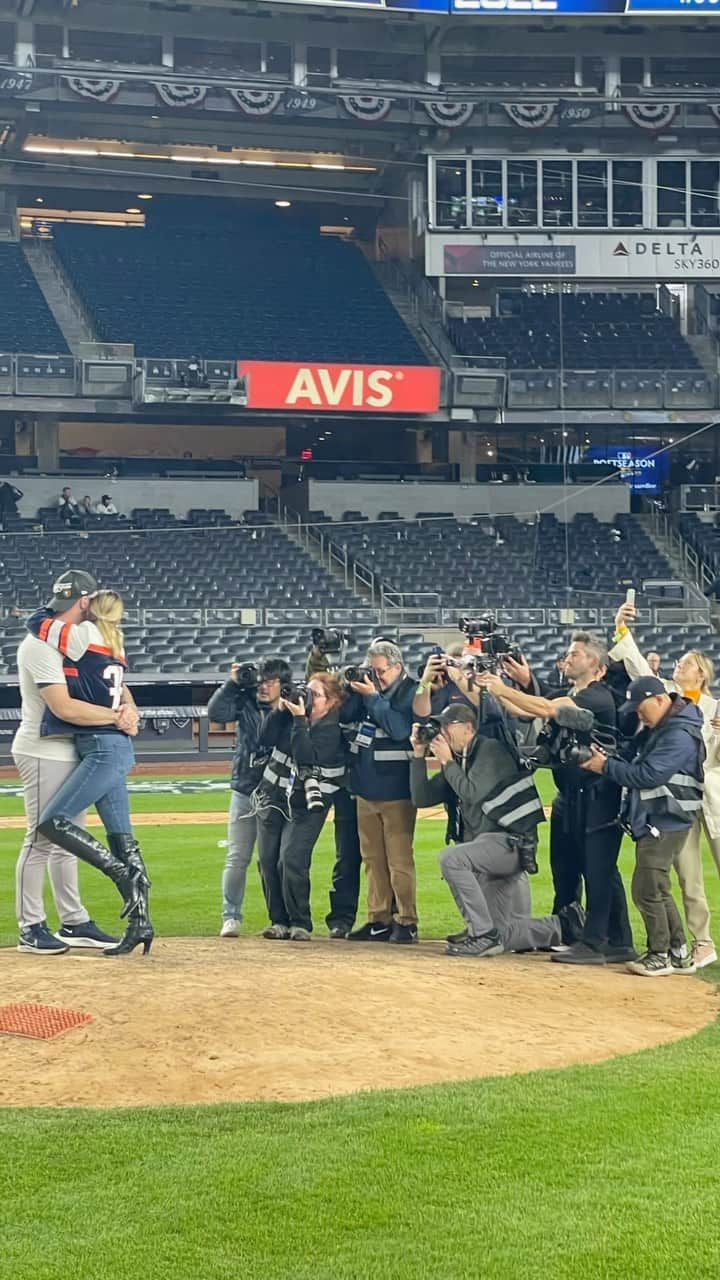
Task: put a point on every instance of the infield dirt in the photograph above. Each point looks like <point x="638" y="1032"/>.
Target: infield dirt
<point x="205" y="1020"/>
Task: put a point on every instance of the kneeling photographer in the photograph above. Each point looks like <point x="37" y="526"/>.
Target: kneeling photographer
<point x="246" y="700"/>
<point x="498" y="811"/>
<point x="584" y="833"/>
<point x="305" y="769"/>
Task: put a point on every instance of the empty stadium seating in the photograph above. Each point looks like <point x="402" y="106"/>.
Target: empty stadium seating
<point x="581" y="331"/>
<point x="504" y="561"/>
<point x="26" y="323"/>
<point x="231" y="284"/>
<point x="174" y="572"/>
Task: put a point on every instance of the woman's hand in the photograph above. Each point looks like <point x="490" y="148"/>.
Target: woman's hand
<point x="626" y="614"/>
<point x="494" y="684"/>
<point x="296" y="709"/>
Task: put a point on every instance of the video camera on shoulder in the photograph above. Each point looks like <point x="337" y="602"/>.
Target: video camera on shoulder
<point x="569" y="739"/>
<point x="329" y="641"/>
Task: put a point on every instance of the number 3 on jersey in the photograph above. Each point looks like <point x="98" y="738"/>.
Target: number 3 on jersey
<point x="113" y="674"/>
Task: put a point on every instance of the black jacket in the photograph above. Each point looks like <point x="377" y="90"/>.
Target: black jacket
<point x="231" y="704"/>
<point x="298" y="749"/>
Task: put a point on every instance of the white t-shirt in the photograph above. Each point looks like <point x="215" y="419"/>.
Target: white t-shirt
<point x="39" y="664"/>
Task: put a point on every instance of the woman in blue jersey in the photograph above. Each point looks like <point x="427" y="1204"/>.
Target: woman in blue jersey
<point x="94" y="666"/>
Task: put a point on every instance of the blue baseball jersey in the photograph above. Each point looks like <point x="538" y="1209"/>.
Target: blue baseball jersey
<point x="93" y="673"/>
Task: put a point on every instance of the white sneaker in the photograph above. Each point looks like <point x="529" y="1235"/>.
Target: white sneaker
<point x="230" y="929"/>
<point x="297" y="934"/>
<point x="703" y="953"/>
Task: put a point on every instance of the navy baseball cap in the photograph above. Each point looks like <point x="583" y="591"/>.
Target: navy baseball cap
<point x="640" y="689"/>
<point x="69" y="588"/>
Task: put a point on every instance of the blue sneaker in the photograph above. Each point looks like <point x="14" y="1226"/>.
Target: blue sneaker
<point x="38" y="939"/>
<point x="84" y="935"/>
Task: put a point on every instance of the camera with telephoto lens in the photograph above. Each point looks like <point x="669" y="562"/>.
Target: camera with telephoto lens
<point x="492" y="642"/>
<point x="429" y="731"/>
<point x="326" y="641"/>
<point x="356" y="675"/>
<point x="313" y="794"/>
<point x="247" y="675"/>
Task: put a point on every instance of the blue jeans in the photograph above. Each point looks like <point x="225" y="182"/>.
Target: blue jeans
<point x="241" y="831"/>
<point x="99" y="779"/>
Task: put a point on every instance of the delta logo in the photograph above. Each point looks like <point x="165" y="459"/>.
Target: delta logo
<point x="621" y="250"/>
<point x="275" y="384"/>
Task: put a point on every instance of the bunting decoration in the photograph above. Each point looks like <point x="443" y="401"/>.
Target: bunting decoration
<point x="535" y="115"/>
<point x="256" y="102"/>
<point x="449" y="114"/>
<point x="367" y="108"/>
<point x="651" y="116"/>
<point x="98" y="90"/>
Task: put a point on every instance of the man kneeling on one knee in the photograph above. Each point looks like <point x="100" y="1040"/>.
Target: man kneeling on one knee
<point x="495" y="808"/>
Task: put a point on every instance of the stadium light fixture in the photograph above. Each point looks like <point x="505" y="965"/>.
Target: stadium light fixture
<point x="144" y="195"/>
<point x="132" y="209"/>
<point x="283" y="204"/>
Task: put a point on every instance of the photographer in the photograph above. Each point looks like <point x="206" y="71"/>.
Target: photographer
<point x="305" y="770"/>
<point x="662" y="795"/>
<point x="245" y="700"/>
<point x="499" y="812"/>
<point x="379" y="719"/>
<point x="692" y="677"/>
<point x="584" y="835"/>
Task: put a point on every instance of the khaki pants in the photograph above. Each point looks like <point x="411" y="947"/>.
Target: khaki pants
<point x="386" y="830"/>
<point x="689" y="868"/>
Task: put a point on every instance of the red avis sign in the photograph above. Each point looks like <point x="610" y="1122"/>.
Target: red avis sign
<point x="357" y="388"/>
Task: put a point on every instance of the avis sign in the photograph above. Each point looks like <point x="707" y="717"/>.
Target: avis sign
<point x="359" y="388"/>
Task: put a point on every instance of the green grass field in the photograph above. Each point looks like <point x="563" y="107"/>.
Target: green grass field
<point x="603" y="1172"/>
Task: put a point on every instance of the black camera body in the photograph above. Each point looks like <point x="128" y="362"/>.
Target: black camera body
<point x="561" y="746"/>
<point x="248" y="675"/>
<point x="294" y="692"/>
<point x="353" y="675"/>
<point x="327" y="641"/>
<point x="429" y="731"/>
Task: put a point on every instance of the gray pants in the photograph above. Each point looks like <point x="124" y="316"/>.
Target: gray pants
<point x="493" y="894"/>
<point x="241" y="832"/>
<point x="41" y="779"/>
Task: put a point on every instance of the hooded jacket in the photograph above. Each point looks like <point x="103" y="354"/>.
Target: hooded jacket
<point x="663" y="785"/>
<point x="494" y="791"/>
<point x="299" y="748"/>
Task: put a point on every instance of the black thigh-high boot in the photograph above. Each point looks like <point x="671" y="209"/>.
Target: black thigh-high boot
<point x="130" y="880"/>
<point x="139" y="929"/>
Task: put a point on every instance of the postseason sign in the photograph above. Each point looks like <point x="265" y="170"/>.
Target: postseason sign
<point x="524" y="8"/>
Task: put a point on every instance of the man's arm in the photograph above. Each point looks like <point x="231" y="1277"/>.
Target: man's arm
<point x="57" y="698"/>
<point x="656" y="769"/>
<point x="396" y="722"/>
<point x="425" y="792"/>
<point x="223" y="705"/>
<point x="528" y="704"/>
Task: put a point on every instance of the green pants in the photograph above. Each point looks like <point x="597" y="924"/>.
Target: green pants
<point x="654" y="857"/>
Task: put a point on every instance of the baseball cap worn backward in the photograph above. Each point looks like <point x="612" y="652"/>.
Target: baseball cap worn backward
<point x="69" y="587"/>
<point x="640" y="689"/>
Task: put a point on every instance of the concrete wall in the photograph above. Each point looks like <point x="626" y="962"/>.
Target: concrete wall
<point x="463" y="500"/>
<point x="234" y="496"/>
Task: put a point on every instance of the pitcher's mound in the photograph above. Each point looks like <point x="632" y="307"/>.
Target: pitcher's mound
<point x="211" y="1020"/>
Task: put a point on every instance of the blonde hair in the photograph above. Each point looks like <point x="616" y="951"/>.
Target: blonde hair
<point x="706" y="665"/>
<point x="106" y="610"/>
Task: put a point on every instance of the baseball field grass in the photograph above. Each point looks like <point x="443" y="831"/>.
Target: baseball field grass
<point x="607" y="1172"/>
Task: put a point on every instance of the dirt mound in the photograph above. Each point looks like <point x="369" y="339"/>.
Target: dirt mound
<point x="210" y="1020"/>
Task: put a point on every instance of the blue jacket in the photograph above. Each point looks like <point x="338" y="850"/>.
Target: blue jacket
<point x="664" y="783"/>
<point x="381" y="771"/>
